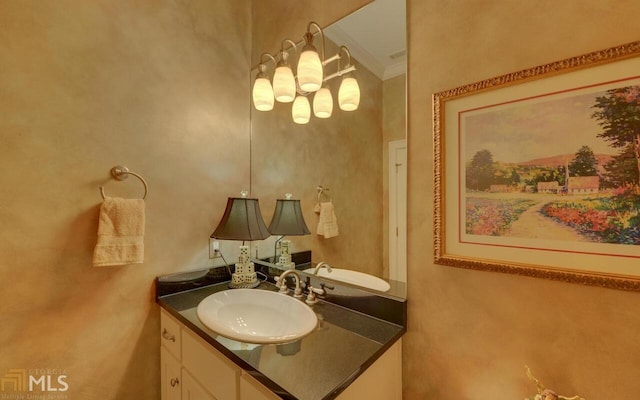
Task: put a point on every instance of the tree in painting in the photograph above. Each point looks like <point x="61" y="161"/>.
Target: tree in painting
<point x="584" y="163"/>
<point x="618" y="113"/>
<point x="621" y="171"/>
<point x="481" y="170"/>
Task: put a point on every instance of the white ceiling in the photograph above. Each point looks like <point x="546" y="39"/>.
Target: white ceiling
<point x="376" y="36"/>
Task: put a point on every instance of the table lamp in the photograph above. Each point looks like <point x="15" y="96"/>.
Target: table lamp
<point x="287" y="220"/>
<point x="242" y="220"/>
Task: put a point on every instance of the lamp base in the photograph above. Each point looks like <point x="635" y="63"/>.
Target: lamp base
<point x="244" y="285"/>
<point x="284" y="261"/>
<point x="245" y="276"/>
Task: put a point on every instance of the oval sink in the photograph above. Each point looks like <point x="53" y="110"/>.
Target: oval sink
<point x="354" y="278"/>
<point x="257" y="316"/>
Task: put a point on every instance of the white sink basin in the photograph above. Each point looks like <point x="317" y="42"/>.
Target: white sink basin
<point x="257" y="316"/>
<point x="354" y="278"/>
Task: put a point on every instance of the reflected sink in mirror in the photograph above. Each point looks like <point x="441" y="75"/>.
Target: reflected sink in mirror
<point x="353" y="277"/>
<point x="257" y="316"/>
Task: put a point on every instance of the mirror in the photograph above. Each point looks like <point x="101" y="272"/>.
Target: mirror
<point x="358" y="157"/>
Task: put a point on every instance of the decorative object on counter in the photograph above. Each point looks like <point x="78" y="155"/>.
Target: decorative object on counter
<point x="544" y="393"/>
<point x="242" y="220"/>
<point x="287" y="220"/>
<point x="311" y="78"/>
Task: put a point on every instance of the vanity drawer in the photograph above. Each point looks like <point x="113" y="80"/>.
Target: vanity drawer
<point x="216" y="373"/>
<point x="170" y="334"/>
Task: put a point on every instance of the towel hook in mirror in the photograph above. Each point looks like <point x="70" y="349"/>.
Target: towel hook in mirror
<point x="322" y="190"/>
<point x="121" y="173"/>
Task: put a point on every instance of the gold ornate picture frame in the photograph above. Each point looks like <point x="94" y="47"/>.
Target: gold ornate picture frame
<point x="537" y="171"/>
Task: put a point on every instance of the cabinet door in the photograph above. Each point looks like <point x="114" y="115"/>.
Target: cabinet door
<point x="381" y="381"/>
<point x="215" y="372"/>
<point x="251" y="389"/>
<point x="170" y="376"/>
<point x="191" y="390"/>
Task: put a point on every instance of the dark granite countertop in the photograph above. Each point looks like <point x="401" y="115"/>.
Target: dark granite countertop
<point x="317" y="367"/>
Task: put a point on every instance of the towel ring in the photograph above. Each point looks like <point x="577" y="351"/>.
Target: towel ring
<point x="121" y="173"/>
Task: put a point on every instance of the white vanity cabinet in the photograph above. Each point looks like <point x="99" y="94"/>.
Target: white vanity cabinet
<point x="381" y="381"/>
<point x="192" y="369"/>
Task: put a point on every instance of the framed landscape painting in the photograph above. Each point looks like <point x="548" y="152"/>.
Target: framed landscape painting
<point x="538" y="172"/>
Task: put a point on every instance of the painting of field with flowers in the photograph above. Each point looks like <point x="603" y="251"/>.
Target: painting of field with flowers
<point x="537" y="172"/>
<point x="565" y="168"/>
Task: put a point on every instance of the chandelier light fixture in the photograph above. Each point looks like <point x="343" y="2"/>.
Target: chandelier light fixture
<point x="310" y="80"/>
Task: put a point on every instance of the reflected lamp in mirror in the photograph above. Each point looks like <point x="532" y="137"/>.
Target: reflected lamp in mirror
<point x="311" y="78"/>
<point x="287" y="221"/>
<point x="242" y="220"/>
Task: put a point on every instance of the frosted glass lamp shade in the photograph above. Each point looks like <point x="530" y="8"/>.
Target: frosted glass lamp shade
<point x="349" y="94"/>
<point x="323" y="103"/>
<point x="262" y="94"/>
<point x="284" y="85"/>
<point x="310" y="71"/>
<point x="301" y="110"/>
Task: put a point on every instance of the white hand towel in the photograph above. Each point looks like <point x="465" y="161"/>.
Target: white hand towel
<point x="328" y="223"/>
<point x="120" y="232"/>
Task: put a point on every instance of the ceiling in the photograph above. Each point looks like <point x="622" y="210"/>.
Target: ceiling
<point x="376" y="36"/>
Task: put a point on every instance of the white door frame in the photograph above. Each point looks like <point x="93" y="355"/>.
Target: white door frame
<point x="398" y="210"/>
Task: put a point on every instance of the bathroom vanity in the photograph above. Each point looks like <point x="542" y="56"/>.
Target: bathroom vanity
<point x="353" y="353"/>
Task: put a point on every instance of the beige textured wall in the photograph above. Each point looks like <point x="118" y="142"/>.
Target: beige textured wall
<point x="159" y="86"/>
<point x="471" y="333"/>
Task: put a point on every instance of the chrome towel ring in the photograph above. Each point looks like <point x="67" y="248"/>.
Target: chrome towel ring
<point x="121" y="173"/>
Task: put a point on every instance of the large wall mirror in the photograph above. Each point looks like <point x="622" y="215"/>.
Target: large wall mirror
<point x="357" y="157"/>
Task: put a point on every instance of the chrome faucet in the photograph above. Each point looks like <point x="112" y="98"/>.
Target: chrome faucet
<point x="321" y="264"/>
<point x="282" y="282"/>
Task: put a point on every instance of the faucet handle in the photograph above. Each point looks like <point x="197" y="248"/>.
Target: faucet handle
<point x="324" y="286"/>
<point x="311" y="297"/>
<point x="281" y="284"/>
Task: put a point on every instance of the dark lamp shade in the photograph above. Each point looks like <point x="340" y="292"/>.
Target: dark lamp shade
<point x="288" y="219"/>
<point x="242" y="220"/>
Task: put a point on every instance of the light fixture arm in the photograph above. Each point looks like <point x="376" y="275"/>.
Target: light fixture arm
<point x="310" y="36"/>
<point x="289" y="41"/>
<point x="341" y="71"/>
<point x="262" y="67"/>
<point x="284" y="53"/>
<point x="262" y="62"/>
<point x="346" y="50"/>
